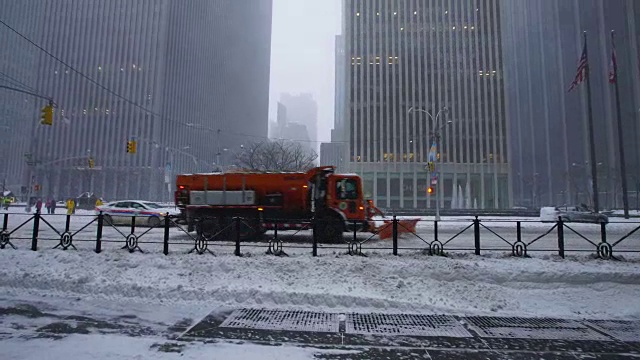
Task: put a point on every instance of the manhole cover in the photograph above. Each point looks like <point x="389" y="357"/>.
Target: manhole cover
<point x="621" y="330"/>
<point x="282" y="320"/>
<point x="405" y="324"/>
<point x="524" y="328"/>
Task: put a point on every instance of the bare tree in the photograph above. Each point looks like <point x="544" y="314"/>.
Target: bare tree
<point x="278" y="155"/>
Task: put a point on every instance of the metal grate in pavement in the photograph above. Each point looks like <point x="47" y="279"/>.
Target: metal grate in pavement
<point x="405" y="324"/>
<point x="621" y="330"/>
<point x="282" y="320"/>
<point x="526" y="328"/>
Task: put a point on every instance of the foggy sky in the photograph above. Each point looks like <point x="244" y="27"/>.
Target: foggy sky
<point x="302" y="54"/>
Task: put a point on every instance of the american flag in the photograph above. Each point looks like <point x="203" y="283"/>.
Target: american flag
<point x="581" y="73"/>
<point x="613" y="71"/>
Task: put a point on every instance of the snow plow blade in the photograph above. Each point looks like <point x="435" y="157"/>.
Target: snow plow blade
<point x="386" y="231"/>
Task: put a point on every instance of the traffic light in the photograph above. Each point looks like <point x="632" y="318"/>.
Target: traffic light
<point x="92" y="163"/>
<point x="47" y="115"/>
<point x="431" y="166"/>
<point x="131" y="147"/>
<point x="430" y="190"/>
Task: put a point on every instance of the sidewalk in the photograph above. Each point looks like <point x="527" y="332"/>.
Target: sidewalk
<point x="407" y="336"/>
<point x="29" y="332"/>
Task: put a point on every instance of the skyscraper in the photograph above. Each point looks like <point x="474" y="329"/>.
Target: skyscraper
<point x="303" y="109"/>
<point x="427" y="56"/>
<point x="184" y="79"/>
<point x="550" y="153"/>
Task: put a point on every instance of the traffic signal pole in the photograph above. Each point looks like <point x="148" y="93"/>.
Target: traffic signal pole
<point x="48" y="116"/>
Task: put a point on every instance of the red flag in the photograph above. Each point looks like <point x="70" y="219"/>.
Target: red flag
<point x="581" y="73"/>
<point x="613" y="70"/>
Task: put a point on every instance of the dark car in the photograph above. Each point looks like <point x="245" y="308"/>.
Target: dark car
<point x="86" y="201"/>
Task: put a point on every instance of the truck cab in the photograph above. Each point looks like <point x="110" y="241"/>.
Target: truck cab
<point x="344" y="196"/>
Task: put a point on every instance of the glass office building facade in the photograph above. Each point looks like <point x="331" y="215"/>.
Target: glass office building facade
<point x="426" y="54"/>
<point x="550" y="147"/>
<point x="170" y="73"/>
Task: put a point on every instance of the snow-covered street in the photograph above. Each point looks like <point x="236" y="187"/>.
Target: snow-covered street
<point x="456" y="233"/>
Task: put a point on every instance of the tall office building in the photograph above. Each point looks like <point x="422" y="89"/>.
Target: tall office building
<point x="332" y="153"/>
<point x="186" y="80"/>
<point x="426" y="55"/>
<point x="550" y="146"/>
<point x="303" y="109"/>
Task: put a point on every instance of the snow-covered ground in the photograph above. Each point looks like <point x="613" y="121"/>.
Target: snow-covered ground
<point x="161" y="290"/>
<point x="107" y="347"/>
<point x="468" y="284"/>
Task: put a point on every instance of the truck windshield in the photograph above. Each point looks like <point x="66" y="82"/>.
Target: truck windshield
<point x="347" y="189"/>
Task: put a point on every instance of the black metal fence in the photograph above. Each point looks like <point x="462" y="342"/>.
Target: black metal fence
<point x="518" y="238"/>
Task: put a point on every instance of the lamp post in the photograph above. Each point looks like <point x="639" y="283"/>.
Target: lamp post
<point x="435" y="134"/>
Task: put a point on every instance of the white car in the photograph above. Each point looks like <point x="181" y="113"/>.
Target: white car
<point x="146" y="212"/>
<point x="571" y="213"/>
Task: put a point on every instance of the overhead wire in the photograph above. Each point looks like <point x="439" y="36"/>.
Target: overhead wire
<point x="131" y="102"/>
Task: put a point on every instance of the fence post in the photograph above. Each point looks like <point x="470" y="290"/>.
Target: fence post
<point x="355" y="231"/>
<point x="99" y="234"/>
<point x="133" y="224"/>
<point x="237" y="224"/>
<point x="5" y="222"/>
<point x="435" y="230"/>
<point x="315" y="236"/>
<point x="476" y="234"/>
<point x="67" y="224"/>
<point x="518" y="232"/>
<point x="395" y="235"/>
<point x="603" y="232"/>
<point x="36" y="227"/>
<point x="167" y="222"/>
<point x="560" y="237"/>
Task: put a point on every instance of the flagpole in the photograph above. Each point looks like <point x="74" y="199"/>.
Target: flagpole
<point x="592" y="146"/>
<point x="623" y="169"/>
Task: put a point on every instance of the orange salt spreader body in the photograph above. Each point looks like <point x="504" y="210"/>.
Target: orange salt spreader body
<point x="277" y="200"/>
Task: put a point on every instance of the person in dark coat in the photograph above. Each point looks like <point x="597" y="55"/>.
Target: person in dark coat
<point x="39" y="205"/>
<point x="53" y="205"/>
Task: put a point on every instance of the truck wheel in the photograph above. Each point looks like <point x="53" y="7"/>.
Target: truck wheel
<point x="207" y="228"/>
<point x="250" y="229"/>
<point x="330" y="229"/>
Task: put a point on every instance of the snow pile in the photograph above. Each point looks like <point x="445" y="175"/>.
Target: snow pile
<point x="123" y="347"/>
<point x="464" y="285"/>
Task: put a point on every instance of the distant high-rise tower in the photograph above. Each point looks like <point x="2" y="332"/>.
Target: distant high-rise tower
<point x="302" y="109"/>
<point x="426" y="55"/>
<point x="191" y="78"/>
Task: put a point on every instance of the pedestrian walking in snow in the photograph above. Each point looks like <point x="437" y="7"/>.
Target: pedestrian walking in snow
<point x="39" y="205"/>
<point x="48" y="205"/>
<point x="53" y="205"/>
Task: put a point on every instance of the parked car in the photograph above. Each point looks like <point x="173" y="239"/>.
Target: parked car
<point x="146" y="212"/>
<point x="572" y="213"/>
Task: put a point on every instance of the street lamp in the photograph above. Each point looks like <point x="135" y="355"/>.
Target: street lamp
<point x="435" y="134"/>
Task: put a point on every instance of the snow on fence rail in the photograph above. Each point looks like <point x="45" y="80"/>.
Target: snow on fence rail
<point x="518" y="237"/>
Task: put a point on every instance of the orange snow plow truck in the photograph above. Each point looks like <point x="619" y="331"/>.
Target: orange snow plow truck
<point x="279" y="200"/>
